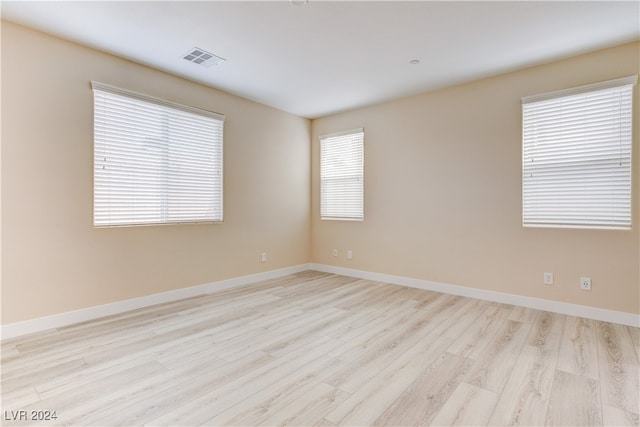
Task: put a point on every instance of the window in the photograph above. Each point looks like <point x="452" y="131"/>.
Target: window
<point x="576" y="157"/>
<point x="342" y="175"/>
<point x="155" y="162"/>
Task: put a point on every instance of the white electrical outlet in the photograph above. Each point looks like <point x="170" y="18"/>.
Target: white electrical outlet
<point x="585" y="283"/>
<point x="548" y="278"/>
<point x="349" y="254"/>
<point x="335" y="252"/>
<point x="263" y="257"/>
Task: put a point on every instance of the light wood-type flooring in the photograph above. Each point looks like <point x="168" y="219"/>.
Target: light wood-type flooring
<point x="320" y="349"/>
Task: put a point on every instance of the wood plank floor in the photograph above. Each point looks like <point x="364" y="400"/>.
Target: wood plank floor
<point x="320" y="349"/>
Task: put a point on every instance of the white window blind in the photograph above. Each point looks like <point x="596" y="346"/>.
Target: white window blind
<point x="155" y="162"/>
<point x="342" y="175"/>
<point x="576" y="159"/>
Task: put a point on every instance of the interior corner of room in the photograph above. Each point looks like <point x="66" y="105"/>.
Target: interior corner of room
<point x="442" y="195"/>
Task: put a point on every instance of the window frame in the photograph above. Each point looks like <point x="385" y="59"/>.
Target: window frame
<point x="561" y="107"/>
<point x="182" y="184"/>
<point x="330" y="212"/>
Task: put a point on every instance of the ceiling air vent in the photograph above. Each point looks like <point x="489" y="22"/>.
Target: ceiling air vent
<point x="202" y="57"/>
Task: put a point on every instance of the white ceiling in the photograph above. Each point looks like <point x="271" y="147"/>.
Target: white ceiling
<point x="331" y="56"/>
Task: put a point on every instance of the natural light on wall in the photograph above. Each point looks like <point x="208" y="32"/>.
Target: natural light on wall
<point x="576" y="156"/>
<point x="342" y="175"/>
<point x="155" y="162"/>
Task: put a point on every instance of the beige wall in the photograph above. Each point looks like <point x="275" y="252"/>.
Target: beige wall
<point x="443" y="193"/>
<point x="53" y="260"/>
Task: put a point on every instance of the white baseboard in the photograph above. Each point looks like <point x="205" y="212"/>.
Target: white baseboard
<point x="12" y="330"/>
<point x="620" y="317"/>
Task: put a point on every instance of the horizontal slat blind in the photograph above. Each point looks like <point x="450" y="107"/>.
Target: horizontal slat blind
<point x="154" y="163"/>
<point x="577" y="160"/>
<point x="342" y="175"/>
